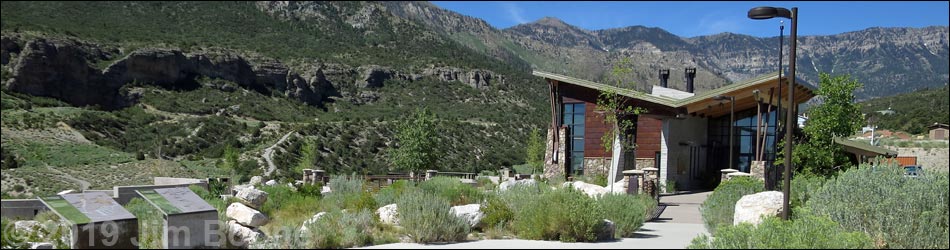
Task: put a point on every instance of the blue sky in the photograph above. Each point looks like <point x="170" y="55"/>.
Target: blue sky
<point x="689" y="19"/>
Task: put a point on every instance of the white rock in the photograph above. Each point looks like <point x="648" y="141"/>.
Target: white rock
<point x="252" y="197"/>
<point x="255" y="180"/>
<point x="245" y="215"/>
<point x="512" y="182"/>
<point x="389" y="214"/>
<point x="271" y="183"/>
<point x="237" y="188"/>
<point x="41" y="245"/>
<point x="471" y="213"/>
<point x="68" y="191"/>
<point x="244" y="235"/>
<point x="325" y="190"/>
<point x="619" y="187"/>
<point x="607" y="231"/>
<point x="590" y="189"/>
<point x="751" y="208"/>
<point x="26" y="225"/>
<point x="303" y="228"/>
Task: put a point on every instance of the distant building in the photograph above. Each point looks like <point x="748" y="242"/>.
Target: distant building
<point x="939" y="131"/>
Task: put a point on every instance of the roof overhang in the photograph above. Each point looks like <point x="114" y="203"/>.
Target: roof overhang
<point x="859" y="148"/>
<point x="703" y="104"/>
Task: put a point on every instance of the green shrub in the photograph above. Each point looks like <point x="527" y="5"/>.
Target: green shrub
<point x="393" y="192"/>
<point x="628" y="212"/>
<point x="452" y="190"/>
<point x="806" y="231"/>
<point x="341" y="184"/>
<point x="804" y="187"/>
<point x="426" y="218"/>
<point x="342" y="230"/>
<point x="576" y="219"/>
<point x="719" y="207"/>
<point x="310" y="190"/>
<point x="896" y="210"/>
<point x="497" y="213"/>
<point x="150" y="223"/>
<point x="596" y="179"/>
<point x="670" y="186"/>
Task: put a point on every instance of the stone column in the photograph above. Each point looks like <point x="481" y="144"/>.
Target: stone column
<point x="504" y="174"/>
<point x="632" y="178"/>
<point x="307" y="174"/>
<point x="758" y="169"/>
<point x="555" y="168"/>
<point x="318" y="176"/>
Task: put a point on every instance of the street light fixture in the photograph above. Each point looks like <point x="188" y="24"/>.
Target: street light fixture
<point x="732" y="123"/>
<point x="759" y="13"/>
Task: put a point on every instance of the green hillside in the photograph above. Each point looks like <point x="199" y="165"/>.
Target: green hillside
<point x="182" y="132"/>
<point x="913" y="112"/>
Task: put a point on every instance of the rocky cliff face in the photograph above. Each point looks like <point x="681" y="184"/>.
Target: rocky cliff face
<point x="887" y="60"/>
<point x="63" y="69"/>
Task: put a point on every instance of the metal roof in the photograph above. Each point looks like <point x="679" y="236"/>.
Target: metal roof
<point x="670" y="102"/>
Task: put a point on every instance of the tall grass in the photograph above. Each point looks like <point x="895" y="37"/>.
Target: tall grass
<point x="452" y="190"/>
<point x="150" y="223"/>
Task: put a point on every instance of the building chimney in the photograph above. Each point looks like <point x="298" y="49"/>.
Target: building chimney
<point x="664" y="75"/>
<point x="690" y="75"/>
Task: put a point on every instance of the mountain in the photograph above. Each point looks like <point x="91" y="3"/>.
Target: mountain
<point x="118" y="92"/>
<point x="887" y="60"/>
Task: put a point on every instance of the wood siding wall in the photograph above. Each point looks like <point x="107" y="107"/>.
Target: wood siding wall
<point x="648" y="136"/>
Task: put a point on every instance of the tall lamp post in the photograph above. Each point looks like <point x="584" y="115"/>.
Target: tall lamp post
<point x="732" y="123"/>
<point x="759" y="13"/>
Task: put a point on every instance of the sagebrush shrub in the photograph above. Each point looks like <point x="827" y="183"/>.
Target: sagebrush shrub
<point x="426" y="218"/>
<point x="453" y="190"/>
<point x="577" y="217"/>
<point x="341" y="184"/>
<point x="342" y="230"/>
<point x="806" y="231"/>
<point x="719" y="207"/>
<point x="393" y="192"/>
<point x="897" y="210"/>
<point x="804" y="187"/>
<point x="628" y="212"/>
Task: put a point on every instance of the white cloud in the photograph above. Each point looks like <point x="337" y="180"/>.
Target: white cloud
<point x="515" y="13"/>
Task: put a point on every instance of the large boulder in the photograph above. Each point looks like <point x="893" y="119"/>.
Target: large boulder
<point x="606" y="231"/>
<point x="752" y="208"/>
<point x="591" y="190"/>
<point x="389" y="214"/>
<point x="244" y="235"/>
<point x="252" y="197"/>
<point x="619" y="187"/>
<point x="255" y="180"/>
<point x="472" y="213"/>
<point x="246" y="216"/>
<point x="512" y="182"/>
<point x="303" y="228"/>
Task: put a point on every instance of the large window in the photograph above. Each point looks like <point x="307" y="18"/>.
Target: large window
<point x="574" y="120"/>
<point x="745" y="144"/>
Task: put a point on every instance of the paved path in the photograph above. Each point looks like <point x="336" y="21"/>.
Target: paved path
<point x="675" y="228"/>
<point x="269" y="153"/>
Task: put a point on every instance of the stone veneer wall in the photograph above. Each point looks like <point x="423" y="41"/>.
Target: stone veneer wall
<point x="556" y="169"/>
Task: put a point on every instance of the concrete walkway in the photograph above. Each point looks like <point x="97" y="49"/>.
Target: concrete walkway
<point x="675" y="228"/>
